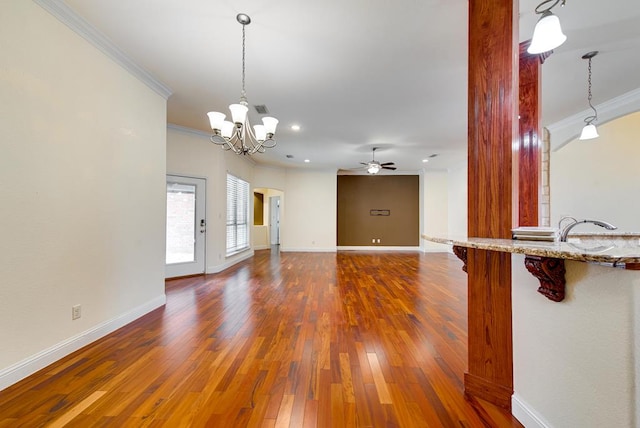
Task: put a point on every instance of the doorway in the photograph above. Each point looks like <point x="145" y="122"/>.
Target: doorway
<point x="186" y="226"/>
<point x="274" y="220"/>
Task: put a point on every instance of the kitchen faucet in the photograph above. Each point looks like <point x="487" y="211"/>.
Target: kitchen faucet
<point x="564" y="232"/>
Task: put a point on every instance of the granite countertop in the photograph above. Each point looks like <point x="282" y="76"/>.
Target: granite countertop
<point x="599" y="248"/>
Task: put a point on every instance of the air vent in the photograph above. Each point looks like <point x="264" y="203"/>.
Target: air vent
<point x="433" y="155"/>
<point x="289" y="156"/>
<point x="261" y="109"/>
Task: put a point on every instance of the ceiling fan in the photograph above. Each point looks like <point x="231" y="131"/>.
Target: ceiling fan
<point x="373" y="166"/>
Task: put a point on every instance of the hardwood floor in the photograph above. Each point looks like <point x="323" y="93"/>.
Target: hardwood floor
<point x="280" y="340"/>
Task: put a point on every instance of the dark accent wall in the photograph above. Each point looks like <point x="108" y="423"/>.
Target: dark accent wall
<point x="363" y="201"/>
<point x="258" y="209"/>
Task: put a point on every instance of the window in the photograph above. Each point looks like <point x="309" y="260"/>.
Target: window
<point x="237" y="215"/>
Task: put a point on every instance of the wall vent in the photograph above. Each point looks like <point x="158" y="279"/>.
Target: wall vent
<point x="261" y="109"/>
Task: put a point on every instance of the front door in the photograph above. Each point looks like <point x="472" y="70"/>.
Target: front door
<point x="186" y="226"/>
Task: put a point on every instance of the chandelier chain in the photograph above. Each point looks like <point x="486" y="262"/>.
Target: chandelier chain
<point x="244" y="94"/>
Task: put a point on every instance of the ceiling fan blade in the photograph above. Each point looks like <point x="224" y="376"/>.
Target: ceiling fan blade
<point x="393" y="168"/>
<point x="364" y="163"/>
<point x="387" y="164"/>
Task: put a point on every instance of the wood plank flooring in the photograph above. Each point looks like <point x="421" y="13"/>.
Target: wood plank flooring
<point x="351" y="339"/>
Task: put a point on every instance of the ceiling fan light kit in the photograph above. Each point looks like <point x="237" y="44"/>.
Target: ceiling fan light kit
<point x="547" y="34"/>
<point x="237" y="134"/>
<point x="374" y="167"/>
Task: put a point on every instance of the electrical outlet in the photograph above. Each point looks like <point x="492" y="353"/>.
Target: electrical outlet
<point x="76" y="312"/>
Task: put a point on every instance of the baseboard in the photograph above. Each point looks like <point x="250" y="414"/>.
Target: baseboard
<point x="378" y="248"/>
<point x="229" y="263"/>
<point x="42" y="359"/>
<point x="307" y="250"/>
<point x="526" y="415"/>
<point x="437" y="250"/>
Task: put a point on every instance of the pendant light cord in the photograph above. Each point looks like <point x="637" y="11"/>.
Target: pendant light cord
<point x="589" y="119"/>
<point x="540" y="10"/>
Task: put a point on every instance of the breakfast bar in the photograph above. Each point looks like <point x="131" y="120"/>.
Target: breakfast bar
<point x="576" y="353"/>
<point x="545" y="260"/>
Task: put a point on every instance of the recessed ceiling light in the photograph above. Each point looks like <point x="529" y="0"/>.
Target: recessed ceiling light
<point x="307" y="161"/>
<point x="295" y="127"/>
<point x="425" y="160"/>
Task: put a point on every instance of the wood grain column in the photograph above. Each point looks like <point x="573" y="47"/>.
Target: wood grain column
<point x="530" y="147"/>
<point x="493" y="90"/>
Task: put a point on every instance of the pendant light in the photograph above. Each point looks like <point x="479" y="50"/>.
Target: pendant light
<point x="590" y="131"/>
<point x="547" y="34"/>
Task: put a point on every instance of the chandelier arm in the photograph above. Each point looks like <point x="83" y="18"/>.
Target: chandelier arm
<point x="218" y="139"/>
<point x="269" y="143"/>
<point x="235" y="149"/>
<point x="250" y="136"/>
<point x="221" y="141"/>
<point x="241" y="138"/>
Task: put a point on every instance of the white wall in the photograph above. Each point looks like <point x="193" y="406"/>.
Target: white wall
<point x="82" y="171"/>
<point x="457" y="182"/>
<point x="574" y="360"/>
<point x="308" y="220"/>
<point x="435" y="208"/>
<point x="270" y="177"/>
<point x="190" y="153"/>
<point x="260" y="237"/>
<point x="600" y="178"/>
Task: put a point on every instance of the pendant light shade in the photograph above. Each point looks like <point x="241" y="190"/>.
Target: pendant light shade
<point x="589" y="132"/>
<point x="239" y="113"/>
<point x="547" y="35"/>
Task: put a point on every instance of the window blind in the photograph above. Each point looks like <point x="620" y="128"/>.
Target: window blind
<point x="237" y="214"/>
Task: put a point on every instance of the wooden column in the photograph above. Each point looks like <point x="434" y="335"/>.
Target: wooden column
<point x="530" y="147"/>
<point x="493" y="89"/>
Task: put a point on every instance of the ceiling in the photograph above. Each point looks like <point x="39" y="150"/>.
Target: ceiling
<point x="355" y="74"/>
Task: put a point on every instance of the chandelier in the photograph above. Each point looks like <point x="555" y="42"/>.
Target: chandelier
<point x="547" y="34"/>
<point x="590" y="131"/>
<point x="237" y="135"/>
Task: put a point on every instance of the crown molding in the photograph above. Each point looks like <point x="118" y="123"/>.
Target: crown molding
<point x="568" y="129"/>
<point x="188" y="130"/>
<point x="66" y="15"/>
